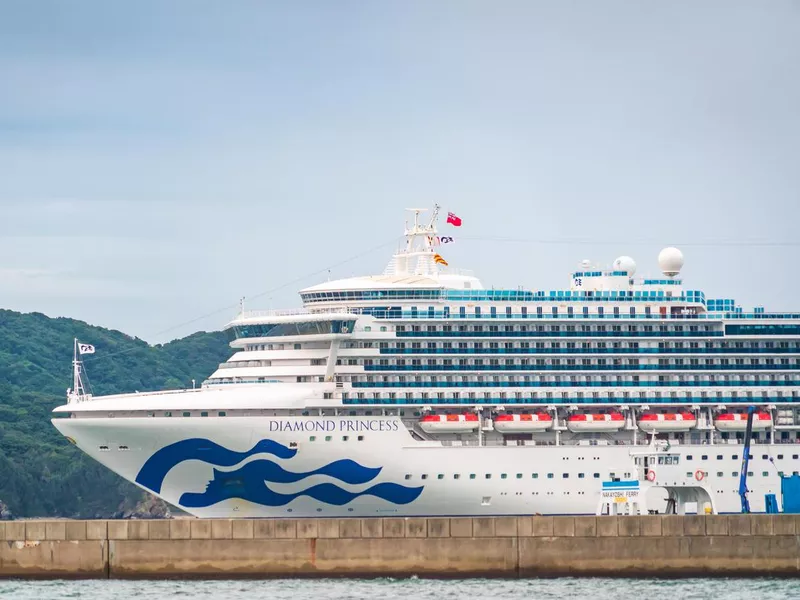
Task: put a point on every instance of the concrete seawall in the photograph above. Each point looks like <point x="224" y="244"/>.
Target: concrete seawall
<point x="435" y="547"/>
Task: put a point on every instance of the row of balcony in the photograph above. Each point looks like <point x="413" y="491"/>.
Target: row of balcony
<point x="395" y="350"/>
<point x="573" y="400"/>
<point x="571" y="384"/>
<point x="534" y="368"/>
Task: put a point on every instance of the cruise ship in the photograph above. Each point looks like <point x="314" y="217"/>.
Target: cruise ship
<point x="420" y="392"/>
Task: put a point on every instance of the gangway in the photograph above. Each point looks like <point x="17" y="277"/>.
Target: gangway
<point x="746" y="461"/>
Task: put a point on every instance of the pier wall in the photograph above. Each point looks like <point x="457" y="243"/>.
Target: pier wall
<point x="435" y="547"/>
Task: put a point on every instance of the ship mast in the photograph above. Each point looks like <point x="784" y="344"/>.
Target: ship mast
<point x="417" y="257"/>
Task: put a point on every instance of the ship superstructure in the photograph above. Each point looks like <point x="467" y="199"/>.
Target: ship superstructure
<point x="420" y="392"/>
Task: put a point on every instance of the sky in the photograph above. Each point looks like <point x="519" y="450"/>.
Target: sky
<point x="159" y="160"/>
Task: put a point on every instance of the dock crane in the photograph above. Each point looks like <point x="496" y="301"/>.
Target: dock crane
<point x="748" y="433"/>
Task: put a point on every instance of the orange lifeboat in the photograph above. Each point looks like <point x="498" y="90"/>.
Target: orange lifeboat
<point x="737" y="421"/>
<point x="682" y="421"/>
<point x="463" y="423"/>
<point x="523" y="422"/>
<point x="595" y="422"/>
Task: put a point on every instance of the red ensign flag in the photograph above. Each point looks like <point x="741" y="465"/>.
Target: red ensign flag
<point x="453" y="219"/>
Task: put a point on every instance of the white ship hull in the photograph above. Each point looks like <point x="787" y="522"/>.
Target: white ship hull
<point x="200" y="482"/>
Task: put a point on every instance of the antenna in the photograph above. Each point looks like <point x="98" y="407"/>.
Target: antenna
<point x="416" y="228"/>
<point x="434" y="216"/>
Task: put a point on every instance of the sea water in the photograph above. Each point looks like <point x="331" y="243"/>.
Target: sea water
<point x="406" y="589"/>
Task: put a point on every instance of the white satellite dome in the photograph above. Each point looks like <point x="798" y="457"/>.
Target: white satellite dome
<point x="625" y="263"/>
<point x="670" y="261"/>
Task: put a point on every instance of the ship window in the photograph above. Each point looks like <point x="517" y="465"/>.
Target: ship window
<point x="719" y="456"/>
<point x="719" y="473"/>
<point x="440" y="476"/>
<point x="328" y="438"/>
<point x="345" y="438"/>
<point x="472" y="475"/>
<point x="750" y="474"/>
<point x="167" y="414"/>
<point x="361" y="438"/>
<point x="549" y="475"/>
<point x="580" y="475"/>
<point x="222" y="413"/>
<point x="488" y="476"/>
<point x="794" y="456"/>
<point x="565" y="476"/>
<point x="187" y="414"/>
<point x="312" y="438"/>
<point x="780" y="456"/>
<point x="367" y="328"/>
<point x="103" y="448"/>
<point x="704" y="457"/>
<point x="764" y="457"/>
<point x="519" y="475"/>
<point x="736" y="457"/>
<point x="734" y="474"/>
<point x="424" y="476"/>
<point x="408" y="476"/>
<point x="534" y="475"/>
<point x="503" y="475"/>
<point x="596" y="476"/>
<point x="456" y="476"/>
<point x="765" y="473"/>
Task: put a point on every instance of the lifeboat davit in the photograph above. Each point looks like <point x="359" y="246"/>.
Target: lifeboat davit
<point x="523" y="422"/>
<point x="595" y="422"/>
<point x="682" y="421"/>
<point x="449" y="423"/>
<point x="735" y="421"/>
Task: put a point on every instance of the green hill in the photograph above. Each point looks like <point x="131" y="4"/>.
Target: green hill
<point x="41" y="474"/>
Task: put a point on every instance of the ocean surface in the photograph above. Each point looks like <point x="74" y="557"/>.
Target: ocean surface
<point x="407" y="589"/>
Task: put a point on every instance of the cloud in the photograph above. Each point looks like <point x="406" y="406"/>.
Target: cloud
<point x="44" y="283"/>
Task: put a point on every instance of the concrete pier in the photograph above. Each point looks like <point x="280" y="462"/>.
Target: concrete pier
<point x="671" y="546"/>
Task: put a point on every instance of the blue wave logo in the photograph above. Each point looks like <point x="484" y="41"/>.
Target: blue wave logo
<point x="153" y="472"/>
<point x="250" y="481"/>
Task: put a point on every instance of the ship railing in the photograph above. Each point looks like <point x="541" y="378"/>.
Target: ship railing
<point x="89" y="397"/>
<point x="421" y="315"/>
<point x="293" y="312"/>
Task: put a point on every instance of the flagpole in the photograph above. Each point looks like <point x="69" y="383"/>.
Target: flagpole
<point x="75" y="376"/>
<point x="77" y="381"/>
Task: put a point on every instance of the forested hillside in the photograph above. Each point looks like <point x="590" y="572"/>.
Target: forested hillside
<point x="41" y="474"/>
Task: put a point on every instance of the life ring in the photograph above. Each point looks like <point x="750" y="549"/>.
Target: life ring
<point x="651" y="475"/>
<point x="699" y="475"/>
